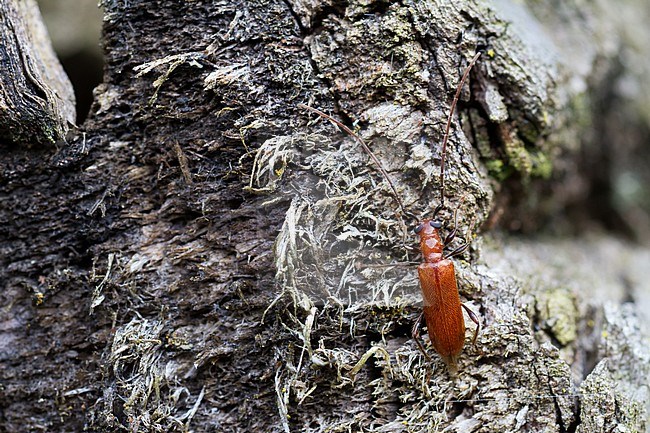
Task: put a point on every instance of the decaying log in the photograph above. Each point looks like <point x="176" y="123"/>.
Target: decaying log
<point x="209" y="256"/>
<point x="36" y="97"/>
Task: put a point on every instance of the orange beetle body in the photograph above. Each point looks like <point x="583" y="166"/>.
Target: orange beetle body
<point x="442" y="307"/>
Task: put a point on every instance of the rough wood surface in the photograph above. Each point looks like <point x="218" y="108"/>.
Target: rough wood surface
<point x="36" y="97"/>
<point x="202" y="257"/>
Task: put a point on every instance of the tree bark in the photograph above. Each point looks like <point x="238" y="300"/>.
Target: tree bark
<point x="205" y="255"/>
<point x="36" y="97"/>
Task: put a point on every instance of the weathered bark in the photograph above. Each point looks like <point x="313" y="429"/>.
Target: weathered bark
<point x="201" y="257"/>
<point x="36" y="97"/>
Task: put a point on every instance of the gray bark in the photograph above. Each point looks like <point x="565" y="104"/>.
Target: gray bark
<point x="204" y="255"/>
<point x="36" y="97"/>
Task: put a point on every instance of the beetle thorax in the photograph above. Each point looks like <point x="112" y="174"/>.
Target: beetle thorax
<point x="430" y="242"/>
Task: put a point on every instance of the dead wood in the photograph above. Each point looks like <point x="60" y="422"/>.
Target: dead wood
<point x="36" y="97"/>
<point x="205" y="255"/>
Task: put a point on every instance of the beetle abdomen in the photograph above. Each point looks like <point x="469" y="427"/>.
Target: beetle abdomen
<point x="442" y="311"/>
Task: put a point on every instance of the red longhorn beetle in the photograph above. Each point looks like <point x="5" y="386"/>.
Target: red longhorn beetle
<point x="442" y="310"/>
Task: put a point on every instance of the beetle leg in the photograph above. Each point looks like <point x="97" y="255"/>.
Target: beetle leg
<point x="450" y="237"/>
<point x="460" y="250"/>
<point x="474" y="319"/>
<point x="415" y="333"/>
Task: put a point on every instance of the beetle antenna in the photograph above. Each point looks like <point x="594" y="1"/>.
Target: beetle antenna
<point x="446" y="136"/>
<point x="365" y="148"/>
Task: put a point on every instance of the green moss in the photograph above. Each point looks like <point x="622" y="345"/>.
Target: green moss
<point x="542" y="165"/>
<point x="557" y="312"/>
<point x="580" y="108"/>
<point x="517" y="155"/>
<point x="528" y="161"/>
<point x="498" y="169"/>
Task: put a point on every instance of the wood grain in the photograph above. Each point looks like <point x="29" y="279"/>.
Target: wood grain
<point x="36" y="98"/>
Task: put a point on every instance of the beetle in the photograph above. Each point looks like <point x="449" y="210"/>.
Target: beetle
<point x="442" y="307"/>
<point x="442" y="311"/>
